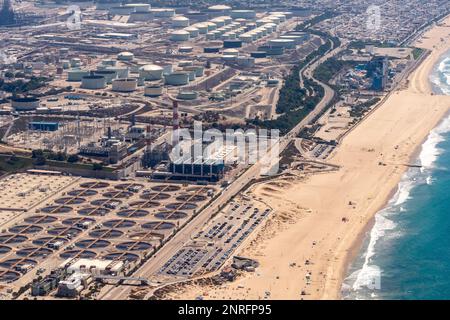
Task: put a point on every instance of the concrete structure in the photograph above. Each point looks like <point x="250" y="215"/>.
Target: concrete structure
<point x="124" y="84"/>
<point x="93" y="82"/>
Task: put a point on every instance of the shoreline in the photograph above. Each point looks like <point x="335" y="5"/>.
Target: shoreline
<point x="308" y="224"/>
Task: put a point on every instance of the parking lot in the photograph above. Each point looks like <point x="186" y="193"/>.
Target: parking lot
<point x="210" y="248"/>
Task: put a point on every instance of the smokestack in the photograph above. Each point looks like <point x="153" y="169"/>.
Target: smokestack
<point x="109" y="133"/>
<point x="176" y="124"/>
<point x="133" y="119"/>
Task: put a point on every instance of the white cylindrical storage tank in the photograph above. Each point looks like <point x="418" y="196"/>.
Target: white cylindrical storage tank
<point x="219" y="22"/>
<point x="202" y="28"/>
<point x="162" y="12"/>
<point x="230" y="52"/>
<point x="109" y="75"/>
<point x="191" y="74"/>
<point x="76" y="75"/>
<point x="121" y="11"/>
<point x="75" y="62"/>
<point x="246" y="37"/>
<point x="245" y="61"/>
<point x="25" y="104"/>
<point x="275" y="20"/>
<point x="180" y="35"/>
<point x="167" y="69"/>
<point x="297" y="39"/>
<point x="125" y="56"/>
<point x="229" y="58"/>
<point x="219" y="9"/>
<point x="193" y="32"/>
<point x="180" y="22"/>
<point x="124" y="85"/>
<point x="122" y="72"/>
<point x="210" y="36"/>
<point x="109" y="62"/>
<point x="93" y="82"/>
<point x="187" y="95"/>
<point x="281" y="16"/>
<point x="139" y="7"/>
<point x="283" y="43"/>
<point x="227" y="19"/>
<point x="177" y="78"/>
<point x="153" y="91"/>
<point x="243" y="14"/>
<point x="151" y="72"/>
<point x="211" y="26"/>
<point x="65" y="64"/>
<point x="185" y="63"/>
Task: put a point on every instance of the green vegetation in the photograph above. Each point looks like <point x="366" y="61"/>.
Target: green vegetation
<point x="317" y="19"/>
<point x="23" y="86"/>
<point x="361" y="109"/>
<point x="417" y="53"/>
<point x="11" y="163"/>
<point x="294" y="102"/>
<point x="360" y="44"/>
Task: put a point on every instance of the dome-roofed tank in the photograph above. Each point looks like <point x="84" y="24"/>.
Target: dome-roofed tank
<point x="151" y="72"/>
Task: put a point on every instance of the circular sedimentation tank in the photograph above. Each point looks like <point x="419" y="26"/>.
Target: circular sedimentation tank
<point x="82" y="193"/>
<point x="134" y="246"/>
<point x="4" y="250"/>
<point x="166" y="188"/>
<point x="106" y="233"/>
<point x="126" y="186"/>
<point x="40" y="219"/>
<point x="57" y="209"/>
<point x="74" y="221"/>
<point x="94" y="185"/>
<point x="146" y="236"/>
<point x="93" y="211"/>
<point x="46" y="240"/>
<point x="34" y="252"/>
<point x="122" y="256"/>
<point x="12" y="238"/>
<point x="155" y="225"/>
<point x="155" y="196"/>
<point x="9" y="276"/>
<point x="25" y="229"/>
<point x="64" y="231"/>
<point x="181" y="206"/>
<point x="119" y="223"/>
<point x="171" y="215"/>
<point x="102" y="202"/>
<point x="133" y="213"/>
<point x="144" y="204"/>
<point x="92" y="244"/>
<point x="70" y="200"/>
<point x="83" y="254"/>
<point x="7" y="264"/>
<point x="117" y="194"/>
<point x="190" y="197"/>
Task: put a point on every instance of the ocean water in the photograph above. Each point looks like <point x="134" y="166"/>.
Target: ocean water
<point x="406" y="255"/>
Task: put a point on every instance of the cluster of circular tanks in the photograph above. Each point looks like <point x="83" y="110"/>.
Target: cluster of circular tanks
<point x="129" y="234"/>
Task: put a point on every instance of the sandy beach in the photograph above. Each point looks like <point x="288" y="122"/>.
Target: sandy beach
<point x="309" y="225"/>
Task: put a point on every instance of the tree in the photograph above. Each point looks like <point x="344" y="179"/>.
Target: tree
<point x="97" y="166"/>
<point x="73" y="158"/>
<point x="40" y="161"/>
<point x="37" y="153"/>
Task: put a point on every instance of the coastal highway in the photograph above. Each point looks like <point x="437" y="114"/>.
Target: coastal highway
<point x="151" y="266"/>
